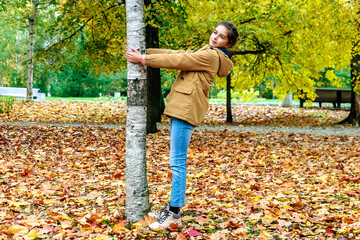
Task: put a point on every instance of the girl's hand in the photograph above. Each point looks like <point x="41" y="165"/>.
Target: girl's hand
<point x="134" y="56"/>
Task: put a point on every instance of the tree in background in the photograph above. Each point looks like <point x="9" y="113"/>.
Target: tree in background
<point x="21" y="16"/>
<point x="30" y="74"/>
<point x="159" y="15"/>
<point x="103" y="23"/>
<point x="354" y="115"/>
<point x="282" y="43"/>
<point x="288" y="41"/>
<point x="13" y="47"/>
<point x="28" y="11"/>
<point x="9" y="52"/>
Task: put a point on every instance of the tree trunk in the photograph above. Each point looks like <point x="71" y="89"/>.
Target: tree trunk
<point x="155" y="99"/>
<point x="228" y="99"/>
<point x="30" y="72"/>
<point x="354" y="115"/>
<point x="16" y="59"/>
<point x="137" y="191"/>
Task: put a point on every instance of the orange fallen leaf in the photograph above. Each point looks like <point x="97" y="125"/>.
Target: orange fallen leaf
<point x="201" y="220"/>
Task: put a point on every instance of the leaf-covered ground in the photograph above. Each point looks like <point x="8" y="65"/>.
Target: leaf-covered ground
<point x="68" y="182"/>
<point x="115" y="112"/>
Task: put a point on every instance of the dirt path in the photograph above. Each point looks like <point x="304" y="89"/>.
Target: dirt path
<point x="333" y="130"/>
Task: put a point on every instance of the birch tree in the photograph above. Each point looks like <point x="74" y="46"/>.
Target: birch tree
<point x="137" y="192"/>
<point x="30" y="72"/>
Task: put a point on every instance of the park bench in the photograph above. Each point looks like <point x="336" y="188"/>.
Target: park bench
<point x="336" y="96"/>
<point x="18" y="92"/>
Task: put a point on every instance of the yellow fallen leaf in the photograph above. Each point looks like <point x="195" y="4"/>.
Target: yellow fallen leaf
<point x="118" y="227"/>
<point x="17" y="204"/>
<point x="102" y="237"/>
<point x="264" y="235"/>
<point x="32" y="234"/>
<point x="18" y="229"/>
<point x="269" y="217"/>
<point x="138" y="224"/>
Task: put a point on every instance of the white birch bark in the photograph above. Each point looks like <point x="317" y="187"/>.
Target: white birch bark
<point x="137" y="192"/>
<point x="30" y="72"/>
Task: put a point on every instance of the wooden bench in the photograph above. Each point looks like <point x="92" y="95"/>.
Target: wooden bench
<point x="17" y="92"/>
<point x="336" y="96"/>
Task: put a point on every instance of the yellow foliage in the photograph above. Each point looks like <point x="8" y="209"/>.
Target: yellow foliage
<point x="295" y="40"/>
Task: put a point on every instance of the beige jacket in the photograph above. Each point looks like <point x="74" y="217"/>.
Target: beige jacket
<point x="188" y="99"/>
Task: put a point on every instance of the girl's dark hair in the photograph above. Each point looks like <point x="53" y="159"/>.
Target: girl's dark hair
<point x="233" y="32"/>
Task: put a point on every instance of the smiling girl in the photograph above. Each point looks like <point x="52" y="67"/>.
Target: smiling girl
<point x="187" y="103"/>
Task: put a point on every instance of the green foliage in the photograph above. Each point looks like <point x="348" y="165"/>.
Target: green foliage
<point x="171" y="18"/>
<point x="12" y="48"/>
<point x="167" y="78"/>
<point x="243" y="96"/>
<point x="6" y="104"/>
<point x="334" y="78"/>
<point x="109" y="84"/>
<point x="265" y="89"/>
<point x="78" y="79"/>
<point x="73" y="82"/>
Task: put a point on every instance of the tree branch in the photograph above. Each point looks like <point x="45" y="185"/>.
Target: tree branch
<point x="70" y="36"/>
<point x="247" y="52"/>
<point x="76" y="32"/>
<point x="247" y="21"/>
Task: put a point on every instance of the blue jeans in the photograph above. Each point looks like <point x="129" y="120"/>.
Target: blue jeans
<point x="180" y="135"/>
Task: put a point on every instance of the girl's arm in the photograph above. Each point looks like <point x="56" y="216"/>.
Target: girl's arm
<point x="136" y="57"/>
<point x="163" y="51"/>
<point x="198" y="61"/>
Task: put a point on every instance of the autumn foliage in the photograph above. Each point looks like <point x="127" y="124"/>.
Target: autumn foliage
<point x="67" y="182"/>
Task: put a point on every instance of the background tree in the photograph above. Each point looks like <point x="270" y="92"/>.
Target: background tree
<point x="354" y="115"/>
<point x="282" y="44"/>
<point x="31" y="18"/>
<point x="9" y="51"/>
<point x="160" y="15"/>
<point x="22" y="15"/>
<point x="14" y="47"/>
<point x="137" y="192"/>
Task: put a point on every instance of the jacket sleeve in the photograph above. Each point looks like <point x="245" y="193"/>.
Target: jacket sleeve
<point x="198" y="61"/>
<point x="162" y="51"/>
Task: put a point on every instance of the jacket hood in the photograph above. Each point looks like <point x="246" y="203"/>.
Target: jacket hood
<point x="225" y="65"/>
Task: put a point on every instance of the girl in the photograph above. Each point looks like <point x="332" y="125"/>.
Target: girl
<point x="187" y="103"/>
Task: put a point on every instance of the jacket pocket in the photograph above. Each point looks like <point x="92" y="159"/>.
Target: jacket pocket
<point x="181" y="100"/>
<point x="183" y="89"/>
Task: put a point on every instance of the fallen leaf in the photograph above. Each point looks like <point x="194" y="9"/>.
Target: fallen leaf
<point x="192" y="233"/>
<point x="17" y="229"/>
